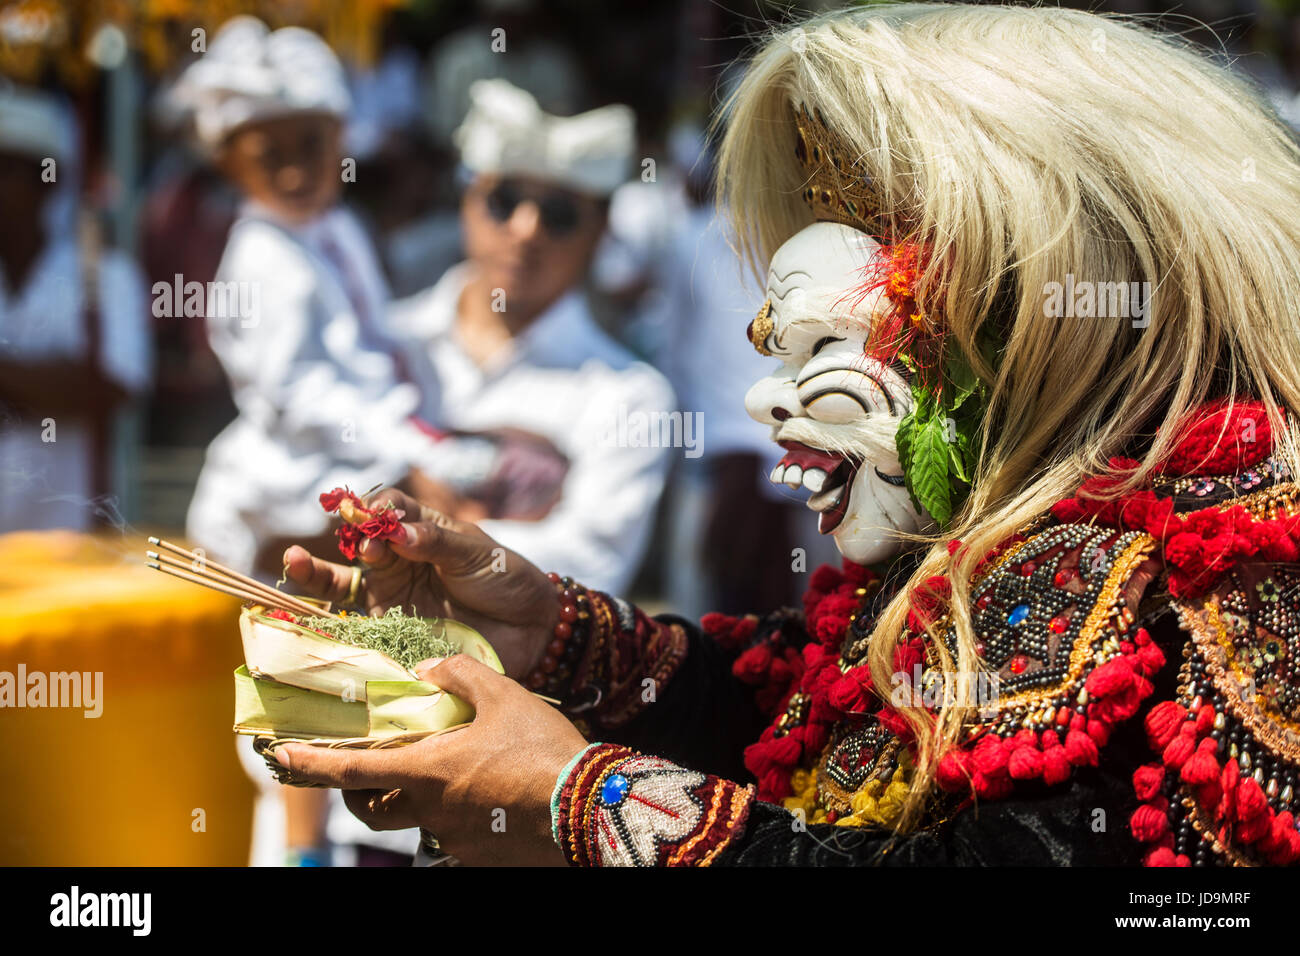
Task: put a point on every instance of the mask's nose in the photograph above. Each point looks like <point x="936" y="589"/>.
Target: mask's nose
<point x="773" y="399"/>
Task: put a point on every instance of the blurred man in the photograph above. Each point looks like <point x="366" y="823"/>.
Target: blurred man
<point x="512" y="365"/>
<point x="74" y="343"/>
<point x="544" y="407"/>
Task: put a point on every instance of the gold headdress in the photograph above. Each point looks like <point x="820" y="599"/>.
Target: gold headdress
<point x="836" y="188"/>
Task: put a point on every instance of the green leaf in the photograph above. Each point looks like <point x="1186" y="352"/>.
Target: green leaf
<point x="960" y="383"/>
<point x="928" y="476"/>
<point x="959" y="454"/>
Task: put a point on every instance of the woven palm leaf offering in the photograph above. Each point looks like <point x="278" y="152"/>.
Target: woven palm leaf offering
<point x="336" y="679"/>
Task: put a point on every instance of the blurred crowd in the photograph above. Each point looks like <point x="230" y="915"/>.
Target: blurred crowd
<point x="475" y="257"/>
<point x="252" y="253"/>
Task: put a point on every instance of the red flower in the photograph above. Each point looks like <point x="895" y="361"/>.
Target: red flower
<point x="331" y="500"/>
<point x="350" y="538"/>
<point x="385" y="524"/>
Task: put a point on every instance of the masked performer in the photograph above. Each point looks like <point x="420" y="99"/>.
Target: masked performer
<point x="1032" y="288"/>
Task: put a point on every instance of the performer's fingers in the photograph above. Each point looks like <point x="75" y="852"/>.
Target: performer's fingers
<point x="470" y="680"/>
<point x="441" y="540"/>
<point x="345" y="769"/>
<point x="392" y="497"/>
<point x="315" y="576"/>
<point x="376" y="554"/>
<point x="380" y="809"/>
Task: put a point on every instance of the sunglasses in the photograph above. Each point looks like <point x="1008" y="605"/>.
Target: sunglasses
<point x="559" y="212"/>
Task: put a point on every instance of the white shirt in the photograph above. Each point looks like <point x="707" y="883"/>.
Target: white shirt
<point x="707" y="355"/>
<point x="319" y="398"/>
<point x="47" y="484"/>
<point x="564" y="379"/>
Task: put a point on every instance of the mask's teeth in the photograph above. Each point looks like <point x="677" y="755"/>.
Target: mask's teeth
<point x="793" y="476"/>
<point x="814" y="479"/>
<point x="778" y="473"/>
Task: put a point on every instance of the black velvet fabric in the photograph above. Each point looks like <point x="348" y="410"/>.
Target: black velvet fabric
<point x="704" y="719"/>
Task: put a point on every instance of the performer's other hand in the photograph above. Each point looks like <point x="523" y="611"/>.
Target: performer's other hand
<point x="484" y="791"/>
<point x="444" y="568"/>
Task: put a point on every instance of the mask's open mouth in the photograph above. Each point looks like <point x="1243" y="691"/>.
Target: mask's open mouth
<point x="829" y="476"/>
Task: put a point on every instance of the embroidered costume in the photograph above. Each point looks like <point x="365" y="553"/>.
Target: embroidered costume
<point x="1145" y="651"/>
<point x="1124" y="659"/>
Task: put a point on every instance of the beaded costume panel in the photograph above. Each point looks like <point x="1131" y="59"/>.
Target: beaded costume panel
<point x="1229" y="745"/>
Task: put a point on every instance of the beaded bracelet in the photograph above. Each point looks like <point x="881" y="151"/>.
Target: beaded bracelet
<point x="554" y="672"/>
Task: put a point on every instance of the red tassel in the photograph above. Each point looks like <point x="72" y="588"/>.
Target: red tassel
<point x="1251" y="801"/>
<point x="1285" y="839"/>
<point x="1151" y="658"/>
<point x="1203" y="766"/>
<point x="1204" y="720"/>
<point x="1056" y="765"/>
<point x="1210" y="795"/>
<point x="1179" y="749"/>
<point x="1150" y="821"/>
<point x="1275" y="839"/>
<point x="992" y="788"/>
<point x="714" y="623"/>
<point x="1163" y="721"/>
<point x="1080" y="749"/>
<point x="774" y="785"/>
<point x="951" y="774"/>
<point x="1256" y="828"/>
<point x="1099" y="731"/>
<point x="851" y="694"/>
<point x="1228" y="779"/>
<point x="1113" y="677"/>
<point x="1160" y="856"/>
<point x="751" y="666"/>
<point x="990" y="757"/>
<point x="1148" y="780"/>
<point x="1025" y="763"/>
<point x="825" y="579"/>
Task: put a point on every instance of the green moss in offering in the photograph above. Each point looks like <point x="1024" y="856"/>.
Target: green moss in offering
<point x="407" y="640"/>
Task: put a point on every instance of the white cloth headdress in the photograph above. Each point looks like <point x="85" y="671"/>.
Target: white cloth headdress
<point x="506" y="132"/>
<point x="251" y="73"/>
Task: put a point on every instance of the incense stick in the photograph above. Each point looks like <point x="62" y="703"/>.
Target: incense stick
<point x="240" y="593"/>
<point x="213" y="570"/>
<point x="257" y="595"/>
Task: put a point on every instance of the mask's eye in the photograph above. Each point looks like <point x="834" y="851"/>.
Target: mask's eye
<point x="822" y="343"/>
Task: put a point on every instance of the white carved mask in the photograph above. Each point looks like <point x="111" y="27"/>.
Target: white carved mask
<point x="834" y="409"/>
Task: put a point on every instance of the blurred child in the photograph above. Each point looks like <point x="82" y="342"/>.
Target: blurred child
<point x="294" y="311"/>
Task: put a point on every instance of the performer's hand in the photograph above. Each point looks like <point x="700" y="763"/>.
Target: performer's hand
<point x="484" y="791"/>
<point x="444" y="568"/>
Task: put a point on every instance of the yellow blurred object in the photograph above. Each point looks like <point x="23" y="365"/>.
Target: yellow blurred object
<point x="155" y="779"/>
<point x="36" y="33"/>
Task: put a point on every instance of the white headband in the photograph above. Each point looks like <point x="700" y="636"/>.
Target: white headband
<point x="251" y="73"/>
<point x="506" y="132"/>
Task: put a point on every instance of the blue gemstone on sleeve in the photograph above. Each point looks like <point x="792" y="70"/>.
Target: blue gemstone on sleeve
<point x="614" y="789"/>
<point x="1018" y="614"/>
